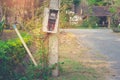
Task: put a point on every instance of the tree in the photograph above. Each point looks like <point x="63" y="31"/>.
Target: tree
<point x="76" y="5"/>
<point x="76" y="2"/>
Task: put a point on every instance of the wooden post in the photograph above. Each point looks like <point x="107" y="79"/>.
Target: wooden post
<point x="109" y="22"/>
<point x="53" y="53"/>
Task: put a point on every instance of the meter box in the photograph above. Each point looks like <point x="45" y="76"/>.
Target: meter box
<point x="50" y="22"/>
<point x="51" y="17"/>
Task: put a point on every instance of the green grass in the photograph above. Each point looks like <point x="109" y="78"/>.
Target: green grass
<point x="73" y="70"/>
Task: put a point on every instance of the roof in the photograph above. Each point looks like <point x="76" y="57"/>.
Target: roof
<point x="100" y="11"/>
<point x="54" y="4"/>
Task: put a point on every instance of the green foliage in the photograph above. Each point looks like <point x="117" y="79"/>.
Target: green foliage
<point x="36" y="73"/>
<point x="115" y="25"/>
<point x="66" y="5"/>
<point x="90" y="23"/>
<point x="96" y="2"/>
<point x="12" y="53"/>
<point x="112" y="10"/>
<point x="116" y="3"/>
<point x="76" y="2"/>
<point x="42" y="71"/>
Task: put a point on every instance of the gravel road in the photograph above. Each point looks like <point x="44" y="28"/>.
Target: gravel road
<point x="103" y="41"/>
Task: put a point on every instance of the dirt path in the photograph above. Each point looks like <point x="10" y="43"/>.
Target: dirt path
<point x="103" y="43"/>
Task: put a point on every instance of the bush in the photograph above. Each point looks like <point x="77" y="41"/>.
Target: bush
<point x="12" y="53"/>
<point x="90" y="23"/>
<point x="36" y="73"/>
<point x="115" y="23"/>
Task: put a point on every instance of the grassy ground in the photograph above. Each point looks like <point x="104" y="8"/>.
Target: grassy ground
<point x="77" y="61"/>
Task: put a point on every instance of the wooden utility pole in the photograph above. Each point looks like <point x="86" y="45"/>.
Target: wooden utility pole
<point x="109" y="22"/>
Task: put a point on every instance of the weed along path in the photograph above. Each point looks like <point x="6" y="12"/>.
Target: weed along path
<point x="104" y="45"/>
